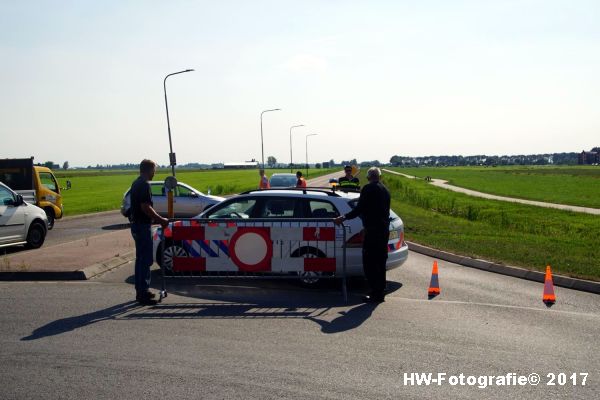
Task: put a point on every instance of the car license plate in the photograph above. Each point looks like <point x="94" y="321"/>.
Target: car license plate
<point x="393" y="235"/>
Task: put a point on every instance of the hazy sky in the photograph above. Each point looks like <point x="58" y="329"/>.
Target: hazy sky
<point x="82" y="81"/>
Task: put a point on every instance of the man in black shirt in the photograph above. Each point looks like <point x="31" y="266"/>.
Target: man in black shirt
<point x="374" y="209"/>
<point x="348" y="181"/>
<point x="142" y="215"/>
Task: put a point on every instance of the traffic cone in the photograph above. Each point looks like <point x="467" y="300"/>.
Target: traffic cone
<point x="434" y="285"/>
<point x="549" y="298"/>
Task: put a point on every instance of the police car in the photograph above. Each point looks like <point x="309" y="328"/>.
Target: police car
<point x="275" y="204"/>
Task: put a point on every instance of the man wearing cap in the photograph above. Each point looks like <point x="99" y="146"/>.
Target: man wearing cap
<point x="348" y="181"/>
<point x="374" y="209"/>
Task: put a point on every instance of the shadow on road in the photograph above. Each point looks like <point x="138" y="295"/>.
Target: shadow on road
<point x="65" y="325"/>
<point x="238" y="299"/>
<point x="116" y="227"/>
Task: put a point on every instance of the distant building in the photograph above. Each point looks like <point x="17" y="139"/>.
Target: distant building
<point x="589" y="157"/>
<point x="241" y="165"/>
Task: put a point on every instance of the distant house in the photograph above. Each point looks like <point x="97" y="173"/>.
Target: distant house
<point x="589" y="157"/>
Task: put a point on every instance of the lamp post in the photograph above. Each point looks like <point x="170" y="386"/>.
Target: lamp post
<point x="291" y="160"/>
<point x="312" y="134"/>
<point x="262" y="147"/>
<point x="172" y="159"/>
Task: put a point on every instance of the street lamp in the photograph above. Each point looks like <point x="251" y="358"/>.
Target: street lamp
<point x="262" y="148"/>
<point x="291" y="162"/>
<point x="172" y="159"/>
<point x="312" y="134"/>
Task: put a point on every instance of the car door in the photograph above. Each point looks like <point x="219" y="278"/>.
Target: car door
<point x="187" y="202"/>
<point x="159" y="198"/>
<point x="12" y="218"/>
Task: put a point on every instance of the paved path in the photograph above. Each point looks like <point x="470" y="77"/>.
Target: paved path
<point x="444" y="184"/>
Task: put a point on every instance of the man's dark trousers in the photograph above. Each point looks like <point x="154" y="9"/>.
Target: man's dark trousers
<point x="375" y="254"/>
<point x="143" y="256"/>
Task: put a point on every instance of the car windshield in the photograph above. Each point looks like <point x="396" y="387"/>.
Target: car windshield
<point x="283" y="180"/>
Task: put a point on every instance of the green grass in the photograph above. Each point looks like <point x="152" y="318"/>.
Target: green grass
<point x="508" y="233"/>
<point x="579" y="186"/>
<point x="95" y="191"/>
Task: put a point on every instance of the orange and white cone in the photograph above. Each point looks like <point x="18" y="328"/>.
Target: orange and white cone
<point x="434" y="284"/>
<point x="549" y="298"/>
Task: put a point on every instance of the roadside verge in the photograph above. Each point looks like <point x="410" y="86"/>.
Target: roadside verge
<point x="517" y="272"/>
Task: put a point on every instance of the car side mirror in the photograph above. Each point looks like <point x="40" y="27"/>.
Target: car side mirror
<point x="193" y="194"/>
<point x="19" y="201"/>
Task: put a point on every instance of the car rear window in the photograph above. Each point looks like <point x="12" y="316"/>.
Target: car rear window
<point x="283" y="181"/>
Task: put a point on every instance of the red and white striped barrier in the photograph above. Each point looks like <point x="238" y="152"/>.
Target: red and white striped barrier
<point x="275" y="247"/>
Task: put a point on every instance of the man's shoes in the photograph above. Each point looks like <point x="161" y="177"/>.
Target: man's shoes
<point x="374" y="299"/>
<point x="145" y="295"/>
<point x="147" y="302"/>
<point x="146" y="298"/>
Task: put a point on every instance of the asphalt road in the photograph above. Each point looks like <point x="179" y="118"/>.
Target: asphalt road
<point x="220" y="339"/>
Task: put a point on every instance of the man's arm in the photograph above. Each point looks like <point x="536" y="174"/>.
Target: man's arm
<point x="358" y="210"/>
<point x="149" y="211"/>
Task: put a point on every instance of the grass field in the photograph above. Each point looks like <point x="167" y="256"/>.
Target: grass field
<point x="574" y="185"/>
<point x="508" y="233"/>
<point x="94" y="191"/>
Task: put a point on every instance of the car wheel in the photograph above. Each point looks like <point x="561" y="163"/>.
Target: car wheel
<point x="309" y="278"/>
<point x="50" y="215"/>
<point x="166" y="258"/>
<point x="36" y="235"/>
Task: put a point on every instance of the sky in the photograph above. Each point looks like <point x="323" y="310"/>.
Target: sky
<point x="82" y="81"/>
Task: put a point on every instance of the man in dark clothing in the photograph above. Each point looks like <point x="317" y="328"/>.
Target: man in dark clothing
<point x="141" y="216"/>
<point x="374" y="209"/>
<point x="348" y="181"/>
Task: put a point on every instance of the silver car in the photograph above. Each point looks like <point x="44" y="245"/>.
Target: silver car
<point x="187" y="201"/>
<point x="283" y="180"/>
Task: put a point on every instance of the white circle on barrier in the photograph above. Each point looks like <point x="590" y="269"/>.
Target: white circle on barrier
<point x="251" y="248"/>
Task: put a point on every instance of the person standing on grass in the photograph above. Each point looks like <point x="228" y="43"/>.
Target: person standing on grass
<point x="264" y="181"/>
<point x="374" y="209"/>
<point x="142" y="215"/>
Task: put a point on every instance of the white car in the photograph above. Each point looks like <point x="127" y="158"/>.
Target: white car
<point x="187" y="201"/>
<point x="294" y="203"/>
<point x="21" y="223"/>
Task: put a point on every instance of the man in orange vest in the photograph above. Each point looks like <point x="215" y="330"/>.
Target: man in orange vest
<point x="264" y="182"/>
<point x="301" y="182"/>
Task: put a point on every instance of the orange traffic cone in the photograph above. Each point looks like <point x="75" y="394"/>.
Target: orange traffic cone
<point x="434" y="285"/>
<point x="549" y="298"/>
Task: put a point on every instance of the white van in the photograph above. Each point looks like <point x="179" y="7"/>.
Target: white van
<point x="21" y="223"/>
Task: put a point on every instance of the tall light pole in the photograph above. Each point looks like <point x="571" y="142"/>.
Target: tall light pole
<point x="291" y="160"/>
<point x="172" y="159"/>
<point x="262" y="147"/>
<point x="312" y="134"/>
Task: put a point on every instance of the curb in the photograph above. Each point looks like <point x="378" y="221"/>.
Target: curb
<point x="79" y="275"/>
<point x="517" y="272"/>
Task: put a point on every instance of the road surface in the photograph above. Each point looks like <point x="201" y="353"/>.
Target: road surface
<point x="220" y="339"/>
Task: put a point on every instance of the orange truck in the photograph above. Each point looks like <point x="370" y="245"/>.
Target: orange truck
<point x="37" y="185"/>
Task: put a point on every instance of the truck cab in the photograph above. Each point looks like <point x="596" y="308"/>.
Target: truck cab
<point x="37" y="184"/>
